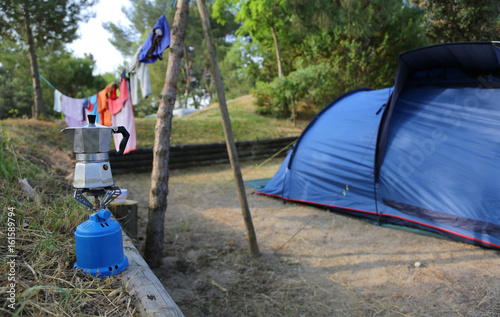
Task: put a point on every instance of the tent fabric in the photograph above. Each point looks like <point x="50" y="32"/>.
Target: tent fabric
<point x="332" y="162"/>
<point x="424" y="154"/>
<point x="441" y="161"/>
<point x="480" y="57"/>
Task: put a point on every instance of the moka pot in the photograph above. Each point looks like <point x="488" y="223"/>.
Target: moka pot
<point x="91" y="144"/>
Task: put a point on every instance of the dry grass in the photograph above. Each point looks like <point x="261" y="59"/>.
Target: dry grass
<point x="44" y="222"/>
<point x="314" y="263"/>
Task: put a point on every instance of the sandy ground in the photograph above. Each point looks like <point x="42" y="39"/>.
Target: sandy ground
<point x="313" y="263"/>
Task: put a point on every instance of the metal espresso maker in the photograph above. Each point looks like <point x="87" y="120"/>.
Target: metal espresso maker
<point x="98" y="241"/>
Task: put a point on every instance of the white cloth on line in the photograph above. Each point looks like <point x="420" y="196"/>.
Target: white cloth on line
<point x="138" y="72"/>
<point x="57" y="100"/>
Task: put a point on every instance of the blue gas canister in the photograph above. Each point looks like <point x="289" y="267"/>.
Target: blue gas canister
<point x="99" y="246"/>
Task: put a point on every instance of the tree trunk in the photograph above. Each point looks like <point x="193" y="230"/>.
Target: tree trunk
<point x="38" y="109"/>
<point x="228" y="132"/>
<point x="278" y="51"/>
<point x="160" y="173"/>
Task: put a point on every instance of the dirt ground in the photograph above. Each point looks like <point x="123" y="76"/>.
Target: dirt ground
<point x="313" y="263"/>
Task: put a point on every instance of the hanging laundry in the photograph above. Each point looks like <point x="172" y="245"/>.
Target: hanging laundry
<point x="102" y="106"/>
<point x="86" y="104"/>
<point x="118" y="97"/>
<point x="87" y="107"/>
<point x="125" y="118"/>
<point x="90" y="105"/>
<point x="93" y="108"/>
<point x="73" y="111"/>
<point x="138" y="72"/>
<point x="158" y="41"/>
<point x="113" y="93"/>
<point x="57" y="100"/>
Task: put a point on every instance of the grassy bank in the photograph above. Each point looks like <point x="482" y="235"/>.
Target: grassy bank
<point x="37" y="231"/>
<point x="41" y="281"/>
<point x="205" y="126"/>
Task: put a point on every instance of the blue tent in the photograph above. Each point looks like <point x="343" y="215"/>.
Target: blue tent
<point x="424" y="154"/>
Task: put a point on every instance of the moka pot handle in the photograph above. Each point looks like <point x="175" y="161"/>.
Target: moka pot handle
<point x="123" y="143"/>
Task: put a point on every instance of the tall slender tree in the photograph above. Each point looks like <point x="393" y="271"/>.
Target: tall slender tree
<point x="41" y="24"/>
<point x="160" y="174"/>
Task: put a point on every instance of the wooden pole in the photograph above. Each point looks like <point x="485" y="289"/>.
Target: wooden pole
<point x="160" y="174"/>
<point x="228" y="132"/>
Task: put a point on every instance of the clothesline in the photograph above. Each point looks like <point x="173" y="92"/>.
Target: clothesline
<point x="165" y="40"/>
<point x="149" y="52"/>
<point x="172" y="4"/>
<point x="48" y="82"/>
<point x="114" y="105"/>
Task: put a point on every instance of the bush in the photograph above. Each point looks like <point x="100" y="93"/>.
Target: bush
<point x="312" y="85"/>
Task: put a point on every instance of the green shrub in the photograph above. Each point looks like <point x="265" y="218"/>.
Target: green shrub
<point x="312" y="85"/>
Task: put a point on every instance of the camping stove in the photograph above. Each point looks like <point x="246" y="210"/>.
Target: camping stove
<point x="98" y="241"/>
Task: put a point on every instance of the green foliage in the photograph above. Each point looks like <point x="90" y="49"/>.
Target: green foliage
<point x="15" y="95"/>
<point x="332" y="62"/>
<point x="52" y="22"/>
<point x="195" y="76"/>
<point x="462" y="20"/>
<point x="353" y="43"/>
<point x="73" y="76"/>
<point x="313" y="84"/>
<point x="266" y="21"/>
<point x="241" y="67"/>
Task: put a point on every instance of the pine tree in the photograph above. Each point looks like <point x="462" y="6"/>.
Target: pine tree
<point x="462" y="20"/>
<point x="40" y="24"/>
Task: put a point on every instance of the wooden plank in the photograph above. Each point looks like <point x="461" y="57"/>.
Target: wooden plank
<point x="151" y="297"/>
